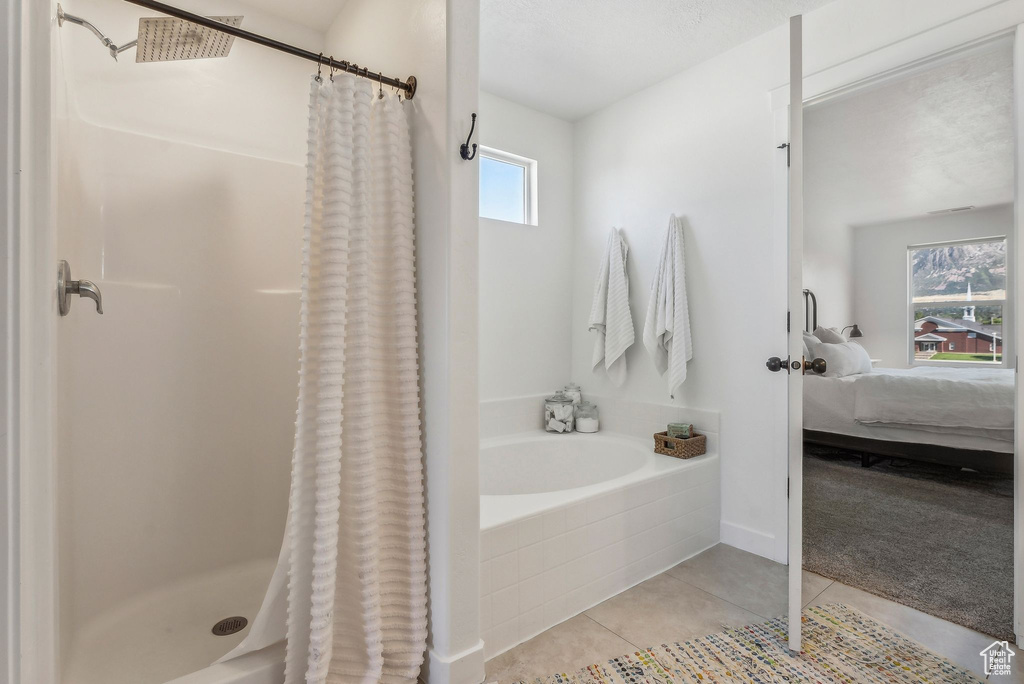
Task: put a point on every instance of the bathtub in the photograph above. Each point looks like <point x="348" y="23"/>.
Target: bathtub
<point x="568" y="521"/>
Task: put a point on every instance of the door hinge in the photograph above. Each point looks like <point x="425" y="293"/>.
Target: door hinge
<point x="789" y="315"/>
<point x="787" y="487"/>
<point x="784" y="146"/>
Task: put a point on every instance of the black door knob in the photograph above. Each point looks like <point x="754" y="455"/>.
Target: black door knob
<point x="775" y="364"/>
<point x="817" y="366"/>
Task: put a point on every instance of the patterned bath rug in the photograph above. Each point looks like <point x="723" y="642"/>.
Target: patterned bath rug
<point x="840" y="645"/>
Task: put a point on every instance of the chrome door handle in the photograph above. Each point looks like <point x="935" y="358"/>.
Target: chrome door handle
<point x="67" y="287"/>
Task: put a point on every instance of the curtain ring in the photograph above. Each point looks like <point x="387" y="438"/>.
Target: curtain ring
<point x="332" y="68"/>
<point x="380" y="85"/>
<point x="319" y="60"/>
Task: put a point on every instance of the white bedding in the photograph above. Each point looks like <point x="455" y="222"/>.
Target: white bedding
<point x="937" y="397"/>
<point x="895" y="405"/>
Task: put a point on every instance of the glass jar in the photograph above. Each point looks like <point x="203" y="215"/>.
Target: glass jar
<point x="586" y="417"/>
<point x="573" y="390"/>
<point x="558" y="413"/>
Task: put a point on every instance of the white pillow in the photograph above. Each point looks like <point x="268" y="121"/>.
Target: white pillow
<point x="848" y="358"/>
<point x="829" y="335"/>
<point x="811" y="344"/>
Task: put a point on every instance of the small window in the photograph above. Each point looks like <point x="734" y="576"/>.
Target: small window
<point x="958" y="291"/>
<point x="508" y="187"/>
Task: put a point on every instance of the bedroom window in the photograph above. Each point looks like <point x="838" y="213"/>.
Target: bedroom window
<point x="957" y="299"/>
<point x="508" y="187"/>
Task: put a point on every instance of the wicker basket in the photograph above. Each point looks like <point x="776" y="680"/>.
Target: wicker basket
<point x="680" y="448"/>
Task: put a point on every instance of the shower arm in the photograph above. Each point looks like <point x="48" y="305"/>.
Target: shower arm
<point x="115" y="50"/>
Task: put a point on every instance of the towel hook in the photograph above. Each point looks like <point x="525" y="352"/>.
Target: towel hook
<point x="464" y="150"/>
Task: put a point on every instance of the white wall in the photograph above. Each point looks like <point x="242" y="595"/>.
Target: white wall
<point x="180" y="193"/>
<point x="936" y="138"/>
<point x="828" y="262"/>
<point x="526" y="271"/>
<point x="880" y="267"/>
<point x="702" y="145"/>
<point x="437" y="42"/>
<point x="698" y="145"/>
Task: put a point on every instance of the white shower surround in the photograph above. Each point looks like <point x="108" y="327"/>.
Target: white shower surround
<point x="549" y="554"/>
<point x="262" y="142"/>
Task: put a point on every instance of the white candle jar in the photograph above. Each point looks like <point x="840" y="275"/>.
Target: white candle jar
<point x="586" y="417"/>
<point x="558" y="413"/>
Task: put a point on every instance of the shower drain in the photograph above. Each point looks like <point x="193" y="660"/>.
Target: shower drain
<point x="230" y="625"/>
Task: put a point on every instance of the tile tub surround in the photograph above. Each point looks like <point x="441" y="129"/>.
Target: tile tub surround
<point x="580" y="547"/>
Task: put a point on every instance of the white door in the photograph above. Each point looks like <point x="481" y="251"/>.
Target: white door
<point x="796" y="385"/>
<point x="793" y="364"/>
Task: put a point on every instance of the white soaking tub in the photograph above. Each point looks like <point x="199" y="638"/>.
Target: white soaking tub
<point x="568" y="521"/>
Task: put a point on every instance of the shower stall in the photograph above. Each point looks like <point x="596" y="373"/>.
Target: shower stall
<point x="180" y="191"/>
<point x="176" y="405"/>
<point x="152" y="443"/>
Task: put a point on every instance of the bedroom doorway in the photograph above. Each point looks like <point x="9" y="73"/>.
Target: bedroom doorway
<point x="908" y="268"/>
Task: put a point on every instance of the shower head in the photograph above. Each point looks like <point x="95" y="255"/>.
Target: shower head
<point x="162" y="39"/>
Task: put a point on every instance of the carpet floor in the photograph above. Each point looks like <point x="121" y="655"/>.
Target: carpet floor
<point x="840" y="644"/>
<point x="934" y="538"/>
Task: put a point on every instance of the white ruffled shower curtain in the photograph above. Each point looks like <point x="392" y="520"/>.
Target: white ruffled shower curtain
<point x="351" y="577"/>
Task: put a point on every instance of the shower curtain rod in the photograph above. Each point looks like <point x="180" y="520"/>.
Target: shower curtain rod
<point x="408" y="86"/>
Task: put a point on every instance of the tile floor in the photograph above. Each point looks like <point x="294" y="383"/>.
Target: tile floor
<point x="722" y="587"/>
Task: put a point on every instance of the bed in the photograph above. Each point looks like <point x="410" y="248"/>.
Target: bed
<point x="954" y="416"/>
<point x="960" y="416"/>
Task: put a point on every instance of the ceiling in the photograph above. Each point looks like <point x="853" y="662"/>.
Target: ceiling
<point x="935" y="139"/>
<point x="570" y="58"/>
<point x="315" y="14"/>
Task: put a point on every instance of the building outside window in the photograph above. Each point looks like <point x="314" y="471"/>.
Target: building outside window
<point x="957" y="301"/>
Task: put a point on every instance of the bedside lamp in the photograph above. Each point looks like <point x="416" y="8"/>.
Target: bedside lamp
<point x="853" y="333"/>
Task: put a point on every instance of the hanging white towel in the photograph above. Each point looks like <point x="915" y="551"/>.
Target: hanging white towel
<point x="667" y="328"/>
<point x="351" y="577"/>
<point x="609" y="315"/>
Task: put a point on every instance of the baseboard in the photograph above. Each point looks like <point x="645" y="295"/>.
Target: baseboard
<point x="747" y="539"/>
<point x="462" y="668"/>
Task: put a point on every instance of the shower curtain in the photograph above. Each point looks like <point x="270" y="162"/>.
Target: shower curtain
<point x="353" y="564"/>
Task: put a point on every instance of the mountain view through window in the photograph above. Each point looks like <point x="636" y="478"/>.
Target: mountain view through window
<point x="958" y="291"/>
